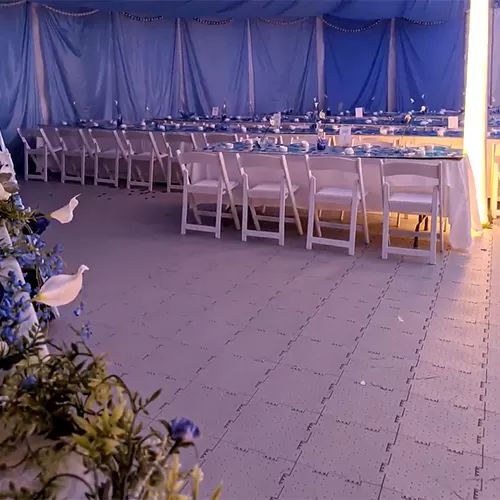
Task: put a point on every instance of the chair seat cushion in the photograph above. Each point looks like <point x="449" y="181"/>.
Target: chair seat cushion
<point x="335" y="194"/>
<point x="209" y="186"/>
<point x="269" y="190"/>
<point x="413" y="201"/>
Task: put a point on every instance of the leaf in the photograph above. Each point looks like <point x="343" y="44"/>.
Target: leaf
<point x="216" y="494"/>
<point x="166" y="425"/>
<point x="153" y="396"/>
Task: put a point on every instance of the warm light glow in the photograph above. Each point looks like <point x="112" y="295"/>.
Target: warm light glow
<point x="476" y="98"/>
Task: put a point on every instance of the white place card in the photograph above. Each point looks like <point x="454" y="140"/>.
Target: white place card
<point x="345" y="135"/>
<point x="358" y="112"/>
<point x="215" y="111"/>
<point x="453" y="122"/>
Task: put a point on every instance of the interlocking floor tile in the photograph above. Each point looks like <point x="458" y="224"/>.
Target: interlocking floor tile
<point x="232" y="312"/>
<point x="379" y="370"/>
<point x="430" y="471"/>
<point x="296" y="300"/>
<point x="272" y="319"/>
<point x="439" y="422"/>
<point x="390" y="316"/>
<point x="306" y="483"/>
<point x="366" y="404"/>
<point x="491" y="439"/>
<point x="338" y="306"/>
<point x="360" y="452"/>
<point x="234" y="373"/>
<point x="490" y="475"/>
<point x="246" y="474"/>
<point x="256" y="344"/>
<point x="318" y="356"/>
<point x="415" y="286"/>
<point x="273" y="429"/>
<point x="301" y="389"/>
<point x="464" y="291"/>
<point x="177" y="359"/>
<point x="387" y="342"/>
<point x="341" y="332"/>
<point x="210" y="335"/>
<point x="211" y="408"/>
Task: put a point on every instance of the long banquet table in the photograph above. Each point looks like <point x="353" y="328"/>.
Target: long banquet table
<point x="461" y="206"/>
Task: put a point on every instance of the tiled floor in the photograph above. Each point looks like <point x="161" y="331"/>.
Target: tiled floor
<point x="311" y="374"/>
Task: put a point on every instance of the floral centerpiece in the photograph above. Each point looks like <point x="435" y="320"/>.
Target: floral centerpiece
<point x="68" y="425"/>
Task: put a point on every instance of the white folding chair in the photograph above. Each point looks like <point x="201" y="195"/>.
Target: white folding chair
<point x="162" y="152"/>
<point x="296" y="138"/>
<point x="412" y="187"/>
<point x="107" y="147"/>
<point x="495" y="177"/>
<point x="36" y="150"/>
<point x="3" y="147"/>
<point x="327" y="192"/>
<point x="266" y="182"/>
<point x="184" y="142"/>
<point x="140" y="151"/>
<point x="205" y="178"/>
<point x="53" y="141"/>
<point x="213" y="138"/>
<point x="73" y="148"/>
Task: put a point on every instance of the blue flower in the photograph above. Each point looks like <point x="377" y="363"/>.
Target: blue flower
<point x="29" y="382"/>
<point x="183" y="430"/>
<point x="78" y="311"/>
<point x="86" y="331"/>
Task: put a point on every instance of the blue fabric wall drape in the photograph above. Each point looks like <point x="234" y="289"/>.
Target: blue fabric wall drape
<point x="356" y="64"/>
<point x="19" y="103"/>
<point x="147" y="74"/>
<point x="285" y="65"/>
<point x="215" y="66"/>
<point x="79" y="65"/>
<point x="430" y="61"/>
<point x="495" y="59"/>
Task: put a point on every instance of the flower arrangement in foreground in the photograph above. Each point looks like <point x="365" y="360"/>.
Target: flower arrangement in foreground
<point x="67" y="424"/>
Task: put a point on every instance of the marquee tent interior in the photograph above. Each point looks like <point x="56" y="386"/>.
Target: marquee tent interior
<point x="102" y="53"/>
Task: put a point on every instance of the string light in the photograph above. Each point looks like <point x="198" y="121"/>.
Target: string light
<point x="423" y="23"/>
<point x="282" y="22"/>
<point x="71" y="14"/>
<point x="13" y="4"/>
<point x="144" y="19"/>
<point x="352" y="30"/>
<point x="212" y="22"/>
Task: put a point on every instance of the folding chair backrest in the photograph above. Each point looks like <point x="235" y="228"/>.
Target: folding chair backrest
<point x="51" y="137"/>
<point x="107" y="140"/>
<point x="180" y="141"/>
<point x="3" y="147"/>
<point x="87" y="139"/>
<point x="411" y="173"/>
<point x="139" y="141"/>
<point x="71" y="139"/>
<point x="29" y="137"/>
<point x="213" y="138"/>
<point x="203" y="164"/>
<point x="159" y="142"/>
<point x="334" y="170"/>
<point x="263" y="168"/>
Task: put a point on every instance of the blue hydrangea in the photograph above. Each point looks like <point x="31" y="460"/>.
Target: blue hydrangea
<point x="29" y="383"/>
<point x="183" y="430"/>
<point x="86" y="331"/>
<point x="78" y="311"/>
<point x="13" y="305"/>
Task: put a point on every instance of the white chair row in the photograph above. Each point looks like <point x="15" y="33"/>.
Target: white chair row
<point x="408" y="186"/>
<point x="68" y="150"/>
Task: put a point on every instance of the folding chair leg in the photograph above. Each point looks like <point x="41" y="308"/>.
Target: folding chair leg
<point x="184" y="210"/>
<point x="218" y="213"/>
<point x="82" y="168"/>
<point x="255" y="219"/>
<point x="441" y="231"/>
<point x="195" y="212"/>
<point x="433" y="246"/>
<point x="117" y="170"/>
<point x="45" y="165"/>
<point x="341" y="218"/>
<point x="385" y="232"/>
<point x="244" y="215"/>
<point x="281" y="240"/>
<point x="63" y="168"/>
<point x="169" y="174"/>
<point x="353" y="225"/>
<point x="151" y="170"/>
<point x="96" y="169"/>
<point x="310" y="221"/>
<point x="26" y="165"/>
<point x="234" y="212"/>
<point x="129" y="172"/>
<point x="398" y="219"/>
<point x="318" y="223"/>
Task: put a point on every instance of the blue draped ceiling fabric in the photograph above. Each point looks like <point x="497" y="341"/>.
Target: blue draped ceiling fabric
<point x="356" y="59"/>
<point x="19" y="104"/>
<point x="252" y="54"/>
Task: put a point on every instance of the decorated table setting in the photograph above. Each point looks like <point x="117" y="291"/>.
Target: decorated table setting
<point x="460" y="201"/>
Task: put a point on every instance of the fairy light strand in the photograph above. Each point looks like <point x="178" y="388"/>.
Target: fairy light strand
<point x="70" y="14"/>
<point x="143" y="19"/>
<point x="212" y="22"/>
<point x="352" y="30"/>
<point x="13" y="4"/>
<point x="282" y="22"/>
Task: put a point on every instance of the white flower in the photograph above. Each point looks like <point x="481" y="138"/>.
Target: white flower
<point x="61" y="289"/>
<point x="4" y="348"/>
<point x="65" y="214"/>
<point x="363" y="382"/>
<point x="4" y="195"/>
<point x="400" y="319"/>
